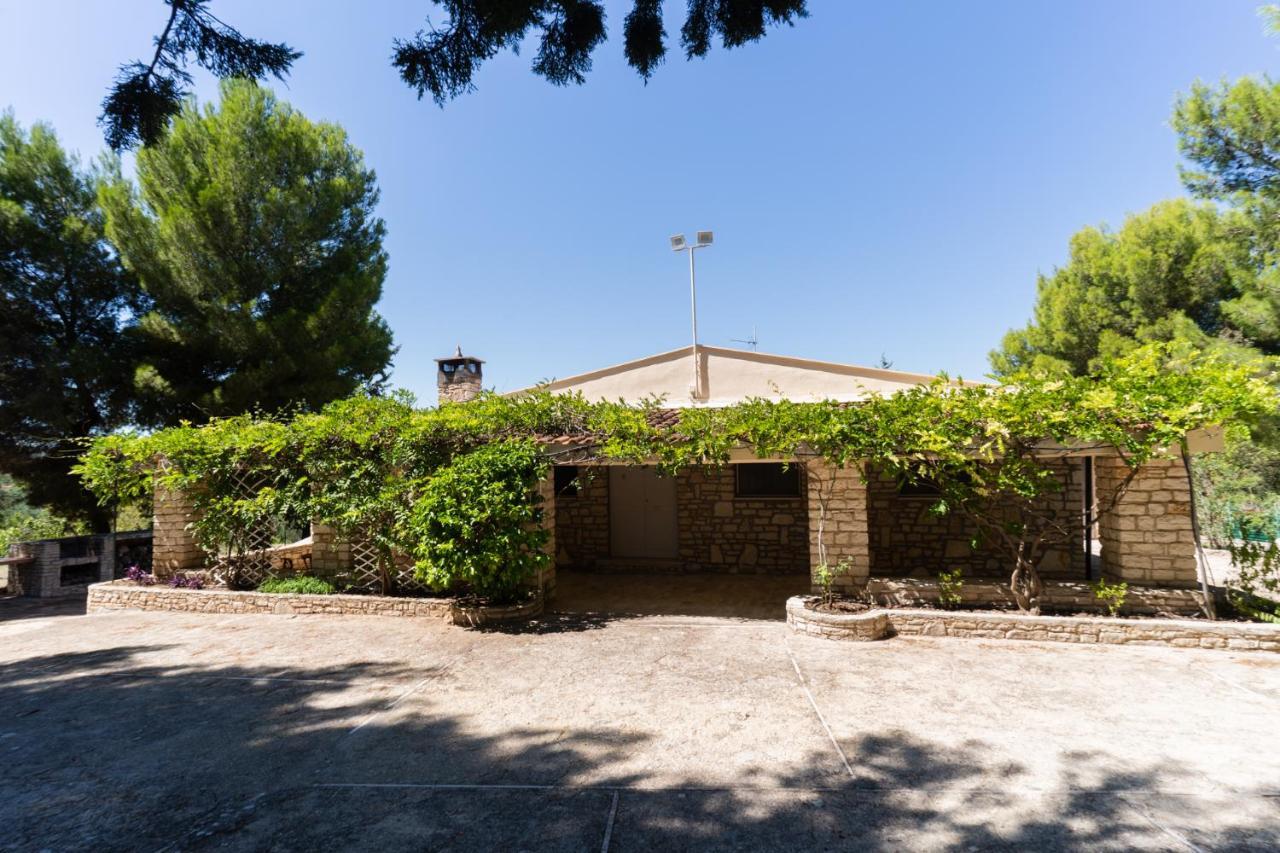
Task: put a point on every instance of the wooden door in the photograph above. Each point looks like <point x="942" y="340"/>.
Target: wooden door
<point x="642" y="514"/>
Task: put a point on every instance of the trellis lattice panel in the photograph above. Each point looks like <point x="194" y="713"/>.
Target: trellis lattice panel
<point x="364" y="572"/>
<point x="246" y="561"/>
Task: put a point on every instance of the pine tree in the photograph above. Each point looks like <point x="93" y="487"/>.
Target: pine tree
<point x="253" y="233"/>
<point x="66" y="361"/>
<point x="439" y="62"/>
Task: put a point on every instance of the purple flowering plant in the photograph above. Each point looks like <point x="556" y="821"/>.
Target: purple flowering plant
<point x="182" y="580"/>
<point x="137" y="575"/>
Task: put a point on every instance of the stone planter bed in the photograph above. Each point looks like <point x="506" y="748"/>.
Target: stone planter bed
<point x="879" y="623"/>
<point x="126" y="595"/>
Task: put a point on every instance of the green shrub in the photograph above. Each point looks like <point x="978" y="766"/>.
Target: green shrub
<point x="1255" y="590"/>
<point x="477" y="521"/>
<point x="1110" y="594"/>
<point x="302" y="584"/>
<point x="825" y="576"/>
<point x="949" y="584"/>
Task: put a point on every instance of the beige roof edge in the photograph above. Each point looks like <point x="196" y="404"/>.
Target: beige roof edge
<point x="747" y="355"/>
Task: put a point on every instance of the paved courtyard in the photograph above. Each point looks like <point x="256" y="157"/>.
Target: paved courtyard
<point x="162" y="731"/>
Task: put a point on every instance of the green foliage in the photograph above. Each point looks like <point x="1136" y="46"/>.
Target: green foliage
<point x="453" y="486"/>
<point x="1110" y="594"/>
<point x="298" y="585"/>
<point x="1175" y="272"/>
<point x="1242" y="481"/>
<point x="146" y="95"/>
<point x="441" y="62"/>
<point x="253" y="232"/>
<point x="477" y="522"/>
<point x="21" y="522"/>
<point x="1255" y="590"/>
<point x="66" y="363"/>
<point x="1230" y="134"/>
<point x="1204" y="275"/>
<point x="826" y="577"/>
<point x="949" y="585"/>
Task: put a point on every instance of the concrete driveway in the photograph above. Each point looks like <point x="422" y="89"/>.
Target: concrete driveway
<point x="173" y="731"/>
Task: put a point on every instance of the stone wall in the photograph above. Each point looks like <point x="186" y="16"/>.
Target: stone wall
<point x="1092" y="630"/>
<point x="909" y="540"/>
<point x="843" y="526"/>
<point x="330" y="555"/>
<point x="1147" y="536"/>
<point x="719" y="532"/>
<point x="1058" y="596"/>
<point x="1184" y="633"/>
<point x="582" y="521"/>
<point x="124" y="595"/>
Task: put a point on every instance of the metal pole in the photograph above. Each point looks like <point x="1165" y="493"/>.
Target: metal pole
<point x="693" y="301"/>
<point x="1088" y="518"/>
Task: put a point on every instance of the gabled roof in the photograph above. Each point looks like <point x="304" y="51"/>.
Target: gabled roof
<point x="727" y="376"/>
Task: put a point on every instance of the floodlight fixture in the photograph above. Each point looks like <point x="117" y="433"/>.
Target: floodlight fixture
<point x="679" y="244"/>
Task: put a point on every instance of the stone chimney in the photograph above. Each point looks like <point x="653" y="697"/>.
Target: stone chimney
<point x="458" y="377"/>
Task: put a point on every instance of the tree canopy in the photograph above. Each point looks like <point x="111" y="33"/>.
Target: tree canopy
<point x="1230" y="134"/>
<point x="66" y="362"/>
<point x="146" y="95"/>
<point x="253" y="232"/>
<point x="1178" y="271"/>
<point x="1204" y="273"/>
<point x="438" y="61"/>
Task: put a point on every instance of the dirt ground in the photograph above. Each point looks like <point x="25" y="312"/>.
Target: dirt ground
<point x="594" y="732"/>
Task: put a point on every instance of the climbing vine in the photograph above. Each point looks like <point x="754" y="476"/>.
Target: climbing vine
<point x="437" y="483"/>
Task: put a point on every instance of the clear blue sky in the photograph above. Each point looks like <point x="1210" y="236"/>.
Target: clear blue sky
<point x="882" y="178"/>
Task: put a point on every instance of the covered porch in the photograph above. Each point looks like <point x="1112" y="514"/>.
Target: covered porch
<point x="722" y="526"/>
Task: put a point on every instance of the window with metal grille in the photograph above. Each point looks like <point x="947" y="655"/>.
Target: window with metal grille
<point x="767" y="480"/>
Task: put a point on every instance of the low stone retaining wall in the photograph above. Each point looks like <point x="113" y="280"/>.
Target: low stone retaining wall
<point x="125" y="595"/>
<point x="1064" y="596"/>
<point x="872" y="625"/>
<point x="1184" y="633"/>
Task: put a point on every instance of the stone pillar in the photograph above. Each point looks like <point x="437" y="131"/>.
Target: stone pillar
<point x="330" y="556"/>
<point x="42" y="577"/>
<point x="1146" y="536"/>
<point x="547" y="492"/>
<point x="174" y="547"/>
<point x="843" y="495"/>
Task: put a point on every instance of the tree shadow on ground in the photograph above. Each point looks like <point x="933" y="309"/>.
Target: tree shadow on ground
<point x="17" y="607"/>
<point x="122" y="748"/>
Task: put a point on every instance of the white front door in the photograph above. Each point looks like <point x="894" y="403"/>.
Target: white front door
<point x="642" y="514"/>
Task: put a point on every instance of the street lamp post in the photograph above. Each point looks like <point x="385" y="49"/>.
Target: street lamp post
<point x="702" y="240"/>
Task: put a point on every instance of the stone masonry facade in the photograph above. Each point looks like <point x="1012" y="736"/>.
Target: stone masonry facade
<point x="1147" y="537"/>
<point x="174" y="548"/>
<point x="908" y="540"/>
<point x="717" y="531"/>
<point x="837" y="511"/>
<point x="582" y="521"/>
<point x="720" y="532"/>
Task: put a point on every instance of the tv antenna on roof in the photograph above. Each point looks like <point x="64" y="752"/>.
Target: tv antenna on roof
<point x="753" y="341"/>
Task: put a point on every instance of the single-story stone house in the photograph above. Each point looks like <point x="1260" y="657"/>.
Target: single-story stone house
<point x="761" y="517"/>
